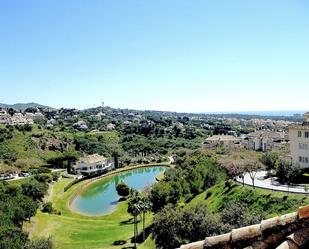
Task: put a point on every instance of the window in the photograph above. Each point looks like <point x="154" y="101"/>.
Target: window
<point x="303" y="146"/>
<point x="307" y="134"/>
<point x="299" y="133"/>
<point x="303" y="159"/>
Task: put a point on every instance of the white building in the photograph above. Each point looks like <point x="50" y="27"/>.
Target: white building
<point x="34" y="116"/>
<point x="93" y="165"/>
<point x="19" y="119"/>
<point x="299" y="143"/>
<point x="80" y="125"/>
<point x="264" y="140"/>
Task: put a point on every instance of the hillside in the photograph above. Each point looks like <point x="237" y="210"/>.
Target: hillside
<point x="24" y="106"/>
<point x="270" y="203"/>
<point x="21" y="150"/>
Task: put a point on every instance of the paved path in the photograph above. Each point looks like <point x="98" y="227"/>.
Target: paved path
<point x="17" y="177"/>
<point x="260" y="182"/>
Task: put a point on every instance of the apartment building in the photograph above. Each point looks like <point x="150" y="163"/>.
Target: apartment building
<point x="299" y="142"/>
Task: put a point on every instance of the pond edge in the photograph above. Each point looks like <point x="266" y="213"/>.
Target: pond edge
<point x="87" y="183"/>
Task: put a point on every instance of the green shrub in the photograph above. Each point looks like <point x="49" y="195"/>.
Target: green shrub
<point x="123" y="189"/>
<point x="44" y="177"/>
<point x="43" y="243"/>
<point x="47" y="207"/>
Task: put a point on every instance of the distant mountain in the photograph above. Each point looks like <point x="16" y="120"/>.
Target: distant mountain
<point x="24" y="106"/>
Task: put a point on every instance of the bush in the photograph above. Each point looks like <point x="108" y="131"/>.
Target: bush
<point x="47" y="207"/>
<point x="43" y="243"/>
<point x="237" y="214"/>
<point x="24" y="128"/>
<point x="74" y="182"/>
<point x="43" y="170"/>
<point x="55" y="176"/>
<point x="174" y="226"/>
<point x="122" y="189"/>
<point x="44" y="177"/>
<point x="34" y="189"/>
<point x="7" y="154"/>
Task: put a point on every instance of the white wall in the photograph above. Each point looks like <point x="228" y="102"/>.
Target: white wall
<point x="294" y="146"/>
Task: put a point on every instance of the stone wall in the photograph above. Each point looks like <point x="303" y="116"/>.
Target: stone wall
<point x="290" y="231"/>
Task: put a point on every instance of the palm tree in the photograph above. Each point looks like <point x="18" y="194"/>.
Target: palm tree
<point x="134" y="208"/>
<point x="145" y="207"/>
<point x="116" y="155"/>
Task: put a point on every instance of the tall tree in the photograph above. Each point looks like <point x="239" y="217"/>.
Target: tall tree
<point x="269" y="160"/>
<point x="145" y="207"/>
<point x="252" y="168"/>
<point x="116" y="155"/>
<point x="134" y="208"/>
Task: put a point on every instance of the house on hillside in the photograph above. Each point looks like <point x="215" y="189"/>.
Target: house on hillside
<point x="222" y="140"/>
<point x="93" y="165"/>
<point x="299" y="142"/>
<point x="34" y="116"/>
<point x="5" y="118"/>
<point x="80" y="125"/>
<point x="19" y="119"/>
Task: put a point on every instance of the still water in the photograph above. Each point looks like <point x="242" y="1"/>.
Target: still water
<point x="101" y="197"/>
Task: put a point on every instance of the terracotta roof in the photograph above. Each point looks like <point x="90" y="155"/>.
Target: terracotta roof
<point x="290" y="231"/>
<point x="266" y="134"/>
<point x="222" y="138"/>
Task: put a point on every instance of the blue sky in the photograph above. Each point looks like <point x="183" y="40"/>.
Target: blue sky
<point x="194" y="56"/>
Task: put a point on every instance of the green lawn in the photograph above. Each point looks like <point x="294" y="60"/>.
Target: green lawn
<point x="72" y="230"/>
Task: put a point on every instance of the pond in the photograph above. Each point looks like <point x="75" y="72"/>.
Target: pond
<point x="101" y="197"/>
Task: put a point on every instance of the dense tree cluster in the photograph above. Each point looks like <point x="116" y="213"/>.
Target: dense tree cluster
<point x="19" y="204"/>
<point x="284" y="170"/>
<point x="193" y="175"/>
<point x="6" y="133"/>
<point x="174" y="226"/>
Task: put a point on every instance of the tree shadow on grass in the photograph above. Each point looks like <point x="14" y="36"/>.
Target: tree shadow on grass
<point x="122" y="199"/>
<point x="127" y="222"/>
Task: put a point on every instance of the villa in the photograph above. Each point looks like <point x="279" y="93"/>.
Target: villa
<point x="264" y="140"/>
<point x="222" y="140"/>
<point x="93" y="165"/>
<point x="299" y="140"/>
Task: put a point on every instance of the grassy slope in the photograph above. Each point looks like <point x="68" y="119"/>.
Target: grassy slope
<point x="271" y="202"/>
<point x="27" y="150"/>
<point x="71" y="230"/>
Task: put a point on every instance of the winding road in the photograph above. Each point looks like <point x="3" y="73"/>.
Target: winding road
<point x="267" y="183"/>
